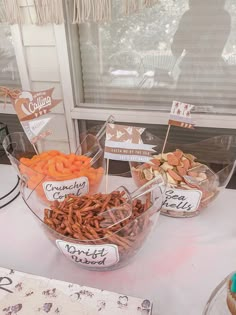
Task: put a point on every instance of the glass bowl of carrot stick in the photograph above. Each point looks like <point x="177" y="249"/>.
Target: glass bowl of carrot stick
<point x="54" y="174"/>
<point x="195" y="173"/>
<point x="104" y="230"/>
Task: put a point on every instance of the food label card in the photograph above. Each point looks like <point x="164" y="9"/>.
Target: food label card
<point x="24" y="294"/>
<point x="182" y="200"/>
<point x="90" y="255"/>
<point x="58" y="190"/>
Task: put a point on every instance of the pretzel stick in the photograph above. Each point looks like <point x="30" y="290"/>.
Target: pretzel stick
<point x="80" y="217"/>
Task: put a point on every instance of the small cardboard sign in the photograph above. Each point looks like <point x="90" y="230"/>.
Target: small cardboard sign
<point x="30" y="106"/>
<point x="180" y="115"/>
<point x="182" y="199"/>
<point x="125" y="143"/>
<point x="98" y="256"/>
<point x="58" y="190"/>
<point x="34" y="129"/>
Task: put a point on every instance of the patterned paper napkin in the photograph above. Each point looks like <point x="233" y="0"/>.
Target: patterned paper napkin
<point x="25" y="294"/>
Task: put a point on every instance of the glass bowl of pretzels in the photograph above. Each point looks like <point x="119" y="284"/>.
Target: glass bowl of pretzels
<point x="195" y="173"/>
<point x="104" y="230"/>
<point x="53" y="174"/>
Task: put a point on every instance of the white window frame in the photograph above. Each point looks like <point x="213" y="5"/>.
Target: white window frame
<point x="102" y="111"/>
<point x="97" y="111"/>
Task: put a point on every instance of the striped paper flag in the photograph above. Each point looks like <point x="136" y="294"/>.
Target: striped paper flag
<point x="180" y="115"/>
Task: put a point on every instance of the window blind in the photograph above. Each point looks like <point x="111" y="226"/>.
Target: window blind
<point x="177" y="50"/>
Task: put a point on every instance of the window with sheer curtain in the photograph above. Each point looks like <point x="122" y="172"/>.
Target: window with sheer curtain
<point x="9" y="75"/>
<point x="183" y="50"/>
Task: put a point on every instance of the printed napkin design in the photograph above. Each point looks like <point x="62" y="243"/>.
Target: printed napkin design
<point x="180" y="115"/>
<point x="24" y="294"/>
<point x="125" y="143"/>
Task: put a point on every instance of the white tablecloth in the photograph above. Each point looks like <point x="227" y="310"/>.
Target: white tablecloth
<point x="182" y="262"/>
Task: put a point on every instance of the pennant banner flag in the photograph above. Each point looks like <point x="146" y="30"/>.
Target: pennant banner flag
<point x="34" y="129"/>
<point x="124" y="143"/>
<point x="30" y="106"/>
<point x="180" y="115"/>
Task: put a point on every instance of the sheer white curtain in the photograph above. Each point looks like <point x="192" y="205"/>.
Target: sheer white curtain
<point x="9" y="75"/>
<point x="177" y="50"/>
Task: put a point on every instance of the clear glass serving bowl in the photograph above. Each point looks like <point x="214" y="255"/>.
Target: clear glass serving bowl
<point x="217" y="302"/>
<point x="122" y="240"/>
<point x="50" y="184"/>
<point x="186" y="198"/>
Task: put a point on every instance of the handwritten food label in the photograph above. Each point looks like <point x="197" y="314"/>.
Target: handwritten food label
<point x="182" y="200"/>
<point x="58" y="190"/>
<point x="90" y="255"/>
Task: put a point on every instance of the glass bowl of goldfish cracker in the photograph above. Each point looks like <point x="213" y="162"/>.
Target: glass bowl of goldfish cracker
<point x="54" y="174"/>
<point x="195" y="173"/>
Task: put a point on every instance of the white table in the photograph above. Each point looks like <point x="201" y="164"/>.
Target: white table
<point x="180" y="265"/>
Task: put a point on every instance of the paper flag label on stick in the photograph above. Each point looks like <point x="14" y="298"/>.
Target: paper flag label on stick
<point x="37" y="125"/>
<point x="180" y="115"/>
<point x="125" y="143"/>
<point x="29" y="105"/>
<point x="41" y="136"/>
<point x="33" y="129"/>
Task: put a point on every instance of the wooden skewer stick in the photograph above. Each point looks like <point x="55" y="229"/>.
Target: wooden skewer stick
<point x="167" y="134"/>
<point x="107" y="169"/>
<point x="35" y="149"/>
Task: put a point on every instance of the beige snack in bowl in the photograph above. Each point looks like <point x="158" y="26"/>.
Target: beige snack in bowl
<point x="191" y="185"/>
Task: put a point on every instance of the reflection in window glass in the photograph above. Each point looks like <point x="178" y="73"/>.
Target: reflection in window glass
<point x="183" y="50"/>
<point x="9" y="75"/>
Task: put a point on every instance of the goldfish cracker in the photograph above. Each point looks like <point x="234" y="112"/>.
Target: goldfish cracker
<point x="64" y="160"/>
<point x="53" y="152"/>
<point x="71" y="157"/>
<point x="73" y="168"/>
<point x="59" y="166"/>
<point x="26" y="161"/>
